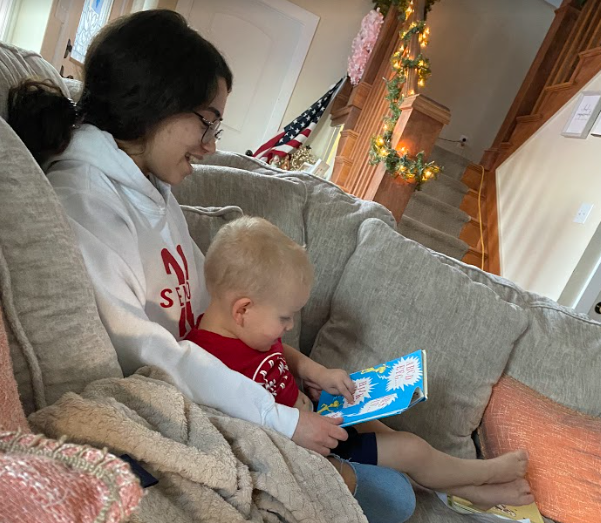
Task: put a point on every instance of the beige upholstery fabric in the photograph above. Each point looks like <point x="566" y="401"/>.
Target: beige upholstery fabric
<point x="57" y="341"/>
<point x="394" y="298"/>
<point x="18" y="64"/>
<point x="310" y="210"/>
<point x="559" y="355"/>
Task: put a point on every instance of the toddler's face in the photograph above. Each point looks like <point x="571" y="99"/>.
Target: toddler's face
<point x="266" y="322"/>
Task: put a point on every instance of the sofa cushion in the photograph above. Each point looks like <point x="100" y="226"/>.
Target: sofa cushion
<point x="329" y="217"/>
<point x="564" y="447"/>
<point x="332" y="219"/>
<point x="559" y="355"/>
<point x="216" y="194"/>
<point x="18" y="64"/>
<point x="57" y="341"/>
<point x="394" y="297"/>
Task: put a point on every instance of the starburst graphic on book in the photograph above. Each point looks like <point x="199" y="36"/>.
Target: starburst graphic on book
<point x="404" y="373"/>
<point x="363" y="389"/>
<point x="373" y="405"/>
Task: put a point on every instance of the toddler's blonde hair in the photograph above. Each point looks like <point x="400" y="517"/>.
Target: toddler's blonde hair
<point x="251" y="257"/>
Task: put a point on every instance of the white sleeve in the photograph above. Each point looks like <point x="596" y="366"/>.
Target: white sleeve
<point x="110" y="251"/>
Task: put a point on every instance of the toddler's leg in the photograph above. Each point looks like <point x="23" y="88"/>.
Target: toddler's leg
<point x="434" y="469"/>
<point x="515" y="493"/>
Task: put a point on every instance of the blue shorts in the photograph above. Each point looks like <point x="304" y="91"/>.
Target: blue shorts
<point x="360" y="447"/>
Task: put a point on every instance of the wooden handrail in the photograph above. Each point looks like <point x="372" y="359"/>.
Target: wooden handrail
<point x="569" y="57"/>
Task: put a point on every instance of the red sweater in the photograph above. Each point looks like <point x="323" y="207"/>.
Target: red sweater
<point x="269" y="369"/>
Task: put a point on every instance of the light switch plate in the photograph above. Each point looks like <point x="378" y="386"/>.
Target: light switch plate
<point x="583" y="213"/>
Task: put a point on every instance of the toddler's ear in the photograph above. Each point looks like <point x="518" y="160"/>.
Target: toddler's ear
<point x="240" y="309"/>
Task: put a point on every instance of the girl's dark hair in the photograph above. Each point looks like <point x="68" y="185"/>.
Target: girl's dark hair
<point x="139" y="70"/>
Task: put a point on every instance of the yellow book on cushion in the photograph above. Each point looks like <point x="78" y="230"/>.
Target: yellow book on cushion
<point x="508" y="512"/>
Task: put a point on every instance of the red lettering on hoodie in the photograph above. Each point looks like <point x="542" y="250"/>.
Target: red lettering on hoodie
<point x="182" y="291"/>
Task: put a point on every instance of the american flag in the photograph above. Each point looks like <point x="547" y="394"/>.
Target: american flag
<point x="296" y="132"/>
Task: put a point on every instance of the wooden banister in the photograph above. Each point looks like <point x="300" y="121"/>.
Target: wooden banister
<point x="418" y="128"/>
<point x="569" y="57"/>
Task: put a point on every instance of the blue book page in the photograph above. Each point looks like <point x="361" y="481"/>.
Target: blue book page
<point x="384" y="390"/>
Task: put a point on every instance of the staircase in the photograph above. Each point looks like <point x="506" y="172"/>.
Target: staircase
<point x="569" y="57"/>
<point x="443" y="216"/>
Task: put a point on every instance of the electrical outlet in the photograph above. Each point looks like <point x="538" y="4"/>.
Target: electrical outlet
<point x="462" y="141"/>
<point x="583" y="213"/>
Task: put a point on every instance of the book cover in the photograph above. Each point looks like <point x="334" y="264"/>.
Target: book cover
<point x="496" y="514"/>
<point x="384" y="390"/>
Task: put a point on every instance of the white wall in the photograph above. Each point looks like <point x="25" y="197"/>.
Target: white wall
<point x="31" y="18"/>
<point x="480" y="51"/>
<point x="540" y="189"/>
<point x="326" y="61"/>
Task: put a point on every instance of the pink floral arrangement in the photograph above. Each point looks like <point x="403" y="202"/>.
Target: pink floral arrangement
<point x="363" y="44"/>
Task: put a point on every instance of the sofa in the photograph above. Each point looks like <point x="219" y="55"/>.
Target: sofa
<point x="506" y="368"/>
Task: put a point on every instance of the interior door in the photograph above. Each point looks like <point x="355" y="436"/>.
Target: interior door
<point x="72" y="24"/>
<point x="265" y="43"/>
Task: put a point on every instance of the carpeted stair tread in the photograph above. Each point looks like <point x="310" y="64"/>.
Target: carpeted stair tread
<point x="432" y="238"/>
<point x="446" y="189"/>
<point x="454" y="164"/>
<point x="436" y="214"/>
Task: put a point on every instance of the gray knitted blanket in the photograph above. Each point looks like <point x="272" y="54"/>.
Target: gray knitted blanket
<point x="210" y="467"/>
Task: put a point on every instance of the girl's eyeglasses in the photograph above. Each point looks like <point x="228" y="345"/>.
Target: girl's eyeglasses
<point x="213" y="131"/>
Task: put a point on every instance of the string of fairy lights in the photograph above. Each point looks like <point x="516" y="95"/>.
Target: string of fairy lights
<point x="401" y="163"/>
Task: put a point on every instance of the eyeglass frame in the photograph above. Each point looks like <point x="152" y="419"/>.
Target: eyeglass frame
<point x="210" y="126"/>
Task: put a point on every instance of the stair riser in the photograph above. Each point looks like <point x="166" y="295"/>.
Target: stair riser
<point x="472" y="177"/>
<point x="470" y="234"/>
<point x="469" y="205"/>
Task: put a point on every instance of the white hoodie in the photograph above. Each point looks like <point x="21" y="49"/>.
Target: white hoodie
<point x="147" y="275"/>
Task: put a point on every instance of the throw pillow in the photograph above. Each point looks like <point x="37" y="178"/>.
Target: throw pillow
<point x="12" y="416"/>
<point x="393" y="298"/>
<point x="564" y="448"/>
<point x="50" y="481"/>
<point x="57" y="341"/>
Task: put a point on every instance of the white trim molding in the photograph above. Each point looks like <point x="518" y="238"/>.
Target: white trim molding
<point x="6" y="10"/>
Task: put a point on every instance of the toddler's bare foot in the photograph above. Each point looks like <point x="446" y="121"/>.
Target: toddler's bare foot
<point x="516" y="493"/>
<point x="507" y="467"/>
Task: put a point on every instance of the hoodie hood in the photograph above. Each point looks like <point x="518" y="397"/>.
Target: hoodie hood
<point x="99" y="150"/>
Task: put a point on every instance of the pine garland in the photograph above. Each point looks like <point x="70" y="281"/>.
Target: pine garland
<point x="401" y="5"/>
<point x="412" y="169"/>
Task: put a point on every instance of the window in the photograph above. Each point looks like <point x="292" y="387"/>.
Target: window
<point x="93" y="17"/>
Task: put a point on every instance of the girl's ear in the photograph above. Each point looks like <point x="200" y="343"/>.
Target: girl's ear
<point x="240" y="309"/>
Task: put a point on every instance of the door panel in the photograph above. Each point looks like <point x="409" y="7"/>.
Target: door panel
<point x="61" y="31"/>
<point x="265" y="43"/>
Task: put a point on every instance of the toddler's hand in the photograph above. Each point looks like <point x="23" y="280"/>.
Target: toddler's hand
<point x="337" y="381"/>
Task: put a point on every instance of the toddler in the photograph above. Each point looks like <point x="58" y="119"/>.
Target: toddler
<point x="258" y="280"/>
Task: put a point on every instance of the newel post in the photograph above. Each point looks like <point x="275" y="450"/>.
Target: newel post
<point x="417" y="129"/>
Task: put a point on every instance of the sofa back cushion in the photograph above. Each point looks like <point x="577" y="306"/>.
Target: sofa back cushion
<point x="394" y="297"/>
<point x="216" y="194"/>
<point x="313" y="212"/>
<point x="18" y="64"/>
<point x="559" y="354"/>
<point x="57" y="341"/>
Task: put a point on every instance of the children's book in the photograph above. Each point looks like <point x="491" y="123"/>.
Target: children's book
<point x="384" y="390"/>
<point x="496" y="514"/>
